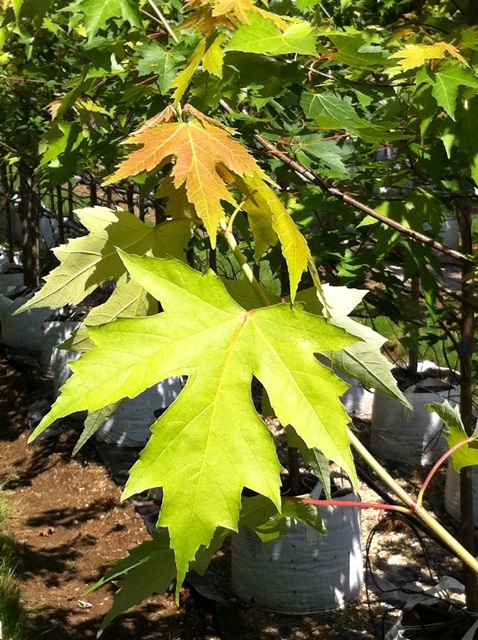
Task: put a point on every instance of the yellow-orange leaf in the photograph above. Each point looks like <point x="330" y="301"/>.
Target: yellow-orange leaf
<point x="240" y="8"/>
<point x="269" y="219"/>
<point x="415" y="55"/>
<point x="197" y="148"/>
<point x="208" y="15"/>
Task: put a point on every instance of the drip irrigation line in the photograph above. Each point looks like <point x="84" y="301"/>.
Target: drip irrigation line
<point x="402" y="587"/>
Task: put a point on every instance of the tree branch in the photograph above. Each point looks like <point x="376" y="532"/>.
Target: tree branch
<point x="308" y="176"/>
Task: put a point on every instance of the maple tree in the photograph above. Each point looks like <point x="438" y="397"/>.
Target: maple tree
<point x="366" y="118"/>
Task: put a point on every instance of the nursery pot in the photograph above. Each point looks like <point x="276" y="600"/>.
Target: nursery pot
<point x="130" y="425"/>
<point x="23" y="331"/>
<point x="452" y="493"/>
<point x="303" y="571"/>
<point x="358" y="400"/>
<point x="415" y="436"/>
<point x="54" y="333"/>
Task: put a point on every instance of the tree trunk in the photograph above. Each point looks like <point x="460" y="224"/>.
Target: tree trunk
<point x="466" y="400"/>
<point x="70" y="201"/>
<point x="29" y="216"/>
<point x="5" y="177"/>
<point x="59" y="214"/>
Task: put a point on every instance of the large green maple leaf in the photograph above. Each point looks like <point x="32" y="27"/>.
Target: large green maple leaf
<point x="445" y="83"/>
<point x="211" y="443"/>
<point x="99" y="12"/>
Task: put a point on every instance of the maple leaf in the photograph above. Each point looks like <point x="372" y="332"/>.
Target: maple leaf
<point x="200" y="147"/>
<point x="211" y="443"/>
<point x="242" y="9"/>
<point x="86" y="262"/>
<point x="207" y="15"/>
<point x="99" y="12"/>
<point x="467" y="454"/>
<point x="445" y="83"/>
<point x="261" y="35"/>
<point x="269" y="219"/>
<point x="415" y="55"/>
<point x="128" y="300"/>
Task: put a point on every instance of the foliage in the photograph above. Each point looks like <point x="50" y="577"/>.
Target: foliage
<point x="375" y="101"/>
<point x="15" y="622"/>
<point x="466" y="455"/>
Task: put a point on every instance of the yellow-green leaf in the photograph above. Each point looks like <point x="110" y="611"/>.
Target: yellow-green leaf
<point x="211" y="443"/>
<point x="415" y="55"/>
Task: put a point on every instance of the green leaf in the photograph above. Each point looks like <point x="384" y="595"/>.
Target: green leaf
<point x="88" y="261"/>
<point x="212" y="60"/>
<point x="333" y="112"/>
<point x="321" y="468"/>
<point x="212" y="427"/>
<point x="269" y="220"/>
<point x="361" y="360"/>
<point x="241" y="291"/>
<point x="467" y="139"/>
<point x="445" y="83"/>
<point x="148" y="568"/>
<point x="93" y="422"/>
<point x="352" y="50"/>
<point x="466" y="455"/>
<point x="263" y="36"/>
<point x="182" y="80"/>
<point x="156" y="60"/>
<point x="99" y="12"/>
<point x="326" y="152"/>
<point x="261" y="516"/>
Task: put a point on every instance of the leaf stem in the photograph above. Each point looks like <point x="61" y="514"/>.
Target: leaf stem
<point x="164" y="22"/>
<point x="308" y="176"/>
<point x="241" y="258"/>
<point x="455" y="547"/>
<point x="350" y="503"/>
<point x="437" y="464"/>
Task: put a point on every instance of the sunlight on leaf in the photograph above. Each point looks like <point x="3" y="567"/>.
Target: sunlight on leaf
<point x="220" y="346"/>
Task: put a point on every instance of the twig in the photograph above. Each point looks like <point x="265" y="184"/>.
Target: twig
<point x="164" y="22"/>
<point x="458" y="550"/>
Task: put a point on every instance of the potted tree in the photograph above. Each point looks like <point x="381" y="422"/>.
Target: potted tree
<point x="220" y="334"/>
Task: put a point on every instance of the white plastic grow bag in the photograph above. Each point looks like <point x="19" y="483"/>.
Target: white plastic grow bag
<point x="303" y="571"/>
<point x="23" y="331"/>
<point x="414" y="437"/>
<point x="129" y="426"/>
<point x="452" y="493"/>
<point x="358" y="401"/>
<point x="54" y="333"/>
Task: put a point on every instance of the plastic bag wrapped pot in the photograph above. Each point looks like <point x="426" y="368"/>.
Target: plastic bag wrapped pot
<point x="303" y="571"/>
<point x="54" y="333"/>
<point x="129" y="426"/>
<point x="452" y="493"/>
<point x="415" y="436"/>
<point x="358" y="401"/>
<point x="9" y="281"/>
<point x="23" y="331"/>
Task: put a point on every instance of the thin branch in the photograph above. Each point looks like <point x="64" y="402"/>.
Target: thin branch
<point x="308" y="176"/>
<point x="164" y="22"/>
<point x="458" y="550"/>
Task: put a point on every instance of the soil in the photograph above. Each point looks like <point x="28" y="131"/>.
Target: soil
<point x="69" y="523"/>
